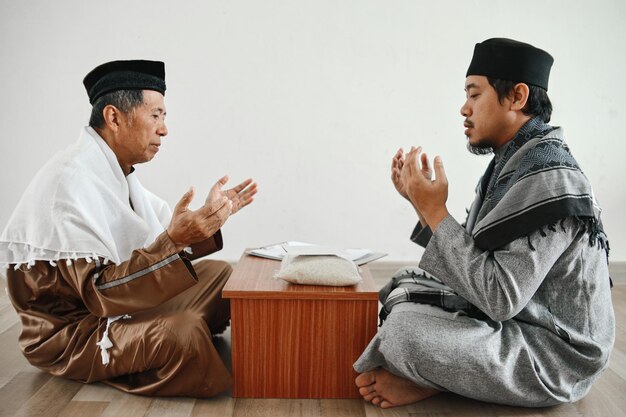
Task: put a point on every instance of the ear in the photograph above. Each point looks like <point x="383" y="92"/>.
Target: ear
<point x="519" y="96"/>
<point x="112" y="117"/>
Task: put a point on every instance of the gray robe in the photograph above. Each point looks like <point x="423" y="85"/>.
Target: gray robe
<point x="550" y="325"/>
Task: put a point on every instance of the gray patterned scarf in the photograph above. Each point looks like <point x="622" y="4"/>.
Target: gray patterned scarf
<point x="533" y="184"/>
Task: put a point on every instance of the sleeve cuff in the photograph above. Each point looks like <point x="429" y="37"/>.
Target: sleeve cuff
<point x="219" y="243"/>
<point x="166" y="245"/>
<point x="421" y="235"/>
<point x="207" y="247"/>
<point x="431" y="257"/>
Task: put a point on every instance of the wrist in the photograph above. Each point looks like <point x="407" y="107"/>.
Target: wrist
<point x="179" y="246"/>
<point x="435" y="216"/>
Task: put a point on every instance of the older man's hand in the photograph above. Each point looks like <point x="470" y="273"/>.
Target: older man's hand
<point x="188" y="227"/>
<point x="240" y="195"/>
<point x="427" y="195"/>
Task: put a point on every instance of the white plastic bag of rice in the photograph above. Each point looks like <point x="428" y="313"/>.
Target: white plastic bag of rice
<point x="318" y="269"/>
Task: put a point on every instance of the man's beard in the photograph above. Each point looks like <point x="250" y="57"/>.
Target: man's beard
<point x="478" y="150"/>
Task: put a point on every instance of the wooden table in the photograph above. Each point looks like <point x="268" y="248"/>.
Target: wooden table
<point x="296" y="341"/>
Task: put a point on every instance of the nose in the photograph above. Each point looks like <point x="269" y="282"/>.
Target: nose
<point x="162" y="130"/>
<point x="465" y="110"/>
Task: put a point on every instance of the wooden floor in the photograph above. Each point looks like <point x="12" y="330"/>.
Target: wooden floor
<point x="26" y="391"/>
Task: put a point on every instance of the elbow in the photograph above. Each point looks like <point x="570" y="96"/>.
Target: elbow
<point x="503" y="300"/>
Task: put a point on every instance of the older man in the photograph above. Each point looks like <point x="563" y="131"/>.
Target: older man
<point x="100" y="270"/>
<point x="520" y="310"/>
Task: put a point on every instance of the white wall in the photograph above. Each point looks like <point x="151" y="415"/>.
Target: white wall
<point x="311" y="99"/>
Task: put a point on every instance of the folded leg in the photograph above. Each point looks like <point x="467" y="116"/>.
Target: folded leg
<point x="448" y="351"/>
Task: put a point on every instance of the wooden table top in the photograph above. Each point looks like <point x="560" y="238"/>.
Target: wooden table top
<point x="253" y="278"/>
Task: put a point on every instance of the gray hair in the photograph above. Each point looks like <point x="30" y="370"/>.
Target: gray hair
<point x="124" y="100"/>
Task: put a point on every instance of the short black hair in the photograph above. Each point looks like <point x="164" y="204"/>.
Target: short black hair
<point x="538" y="104"/>
<point x="123" y="100"/>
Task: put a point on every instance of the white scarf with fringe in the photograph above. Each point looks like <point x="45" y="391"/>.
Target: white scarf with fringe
<point x="79" y="206"/>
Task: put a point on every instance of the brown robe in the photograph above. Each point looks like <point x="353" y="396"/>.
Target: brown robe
<point x="164" y="349"/>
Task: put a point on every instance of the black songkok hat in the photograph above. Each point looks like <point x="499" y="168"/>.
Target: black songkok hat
<point x="511" y="60"/>
<point x="125" y="75"/>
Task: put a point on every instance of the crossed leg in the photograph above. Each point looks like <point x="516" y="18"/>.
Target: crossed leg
<point x="384" y="389"/>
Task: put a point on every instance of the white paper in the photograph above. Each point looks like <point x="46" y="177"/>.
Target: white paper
<point x="279" y="250"/>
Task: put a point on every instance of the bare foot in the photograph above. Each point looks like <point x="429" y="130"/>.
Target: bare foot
<point x="382" y="388"/>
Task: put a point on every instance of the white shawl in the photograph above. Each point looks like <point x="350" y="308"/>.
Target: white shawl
<point x="77" y="206"/>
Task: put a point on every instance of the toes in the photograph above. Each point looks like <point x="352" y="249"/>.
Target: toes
<point x="365" y="379"/>
<point x="369" y="397"/>
<point x="385" y="404"/>
<point x="376" y="400"/>
<point x="366" y="390"/>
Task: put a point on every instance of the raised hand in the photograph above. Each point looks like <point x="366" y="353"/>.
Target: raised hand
<point x="427" y="195"/>
<point x="241" y="195"/>
<point x="397" y="163"/>
<point x="215" y="193"/>
<point x="188" y="227"/>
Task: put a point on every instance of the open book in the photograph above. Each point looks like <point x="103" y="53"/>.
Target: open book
<point x="279" y="250"/>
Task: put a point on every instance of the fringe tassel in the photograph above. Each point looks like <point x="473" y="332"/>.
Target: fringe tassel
<point x="587" y="225"/>
<point x="532" y="248"/>
<point x="54" y="262"/>
<point x="105" y="343"/>
<point x="597" y="236"/>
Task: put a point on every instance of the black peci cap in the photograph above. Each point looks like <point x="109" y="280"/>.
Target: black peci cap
<point x="125" y="75"/>
<point x="511" y="60"/>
